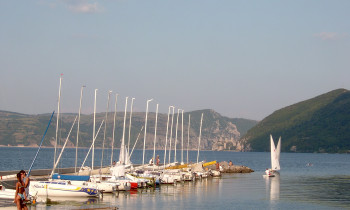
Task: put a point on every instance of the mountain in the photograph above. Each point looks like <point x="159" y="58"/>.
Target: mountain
<point x="320" y="124"/>
<point x="218" y="132"/>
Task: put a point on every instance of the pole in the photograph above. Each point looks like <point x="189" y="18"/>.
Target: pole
<point x="171" y="132"/>
<point x="132" y="104"/>
<point x="144" y="138"/>
<point x="155" y="135"/>
<point x="115" y="116"/>
<point x="57" y="120"/>
<point x="122" y="146"/>
<point x="188" y="134"/>
<point x="93" y="132"/>
<point x="177" y="123"/>
<point x="166" y="135"/>
<point x="182" y="138"/>
<point x="76" y="145"/>
<point x="199" y="138"/>
<point x="104" y="132"/>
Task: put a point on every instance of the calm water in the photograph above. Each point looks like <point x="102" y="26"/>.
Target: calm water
<point x="324" y="185"/>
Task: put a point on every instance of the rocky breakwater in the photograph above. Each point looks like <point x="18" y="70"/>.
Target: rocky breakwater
<point x="228" y="168"/>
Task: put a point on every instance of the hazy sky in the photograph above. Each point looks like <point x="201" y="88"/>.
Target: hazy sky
<point x="240" y="58"/>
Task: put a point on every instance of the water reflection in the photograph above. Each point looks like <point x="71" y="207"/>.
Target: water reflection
<point x="64" y="202"/>
<point x="179" y="196"/>
<point x="273" y="187"/>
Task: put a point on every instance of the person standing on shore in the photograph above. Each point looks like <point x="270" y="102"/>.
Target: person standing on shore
<point x="20" y="195"/>
<point x="26" y="182"/>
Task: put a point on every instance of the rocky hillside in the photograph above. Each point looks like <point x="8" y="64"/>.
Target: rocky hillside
<point x="218" y="132"/>
<point x="320" y="124"/>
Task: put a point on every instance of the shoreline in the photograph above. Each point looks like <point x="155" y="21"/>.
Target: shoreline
<point x="3" y="146"/>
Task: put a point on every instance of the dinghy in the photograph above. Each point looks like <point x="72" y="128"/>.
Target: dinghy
<point x="275" y="158"/>
<point x="61" y="188"/>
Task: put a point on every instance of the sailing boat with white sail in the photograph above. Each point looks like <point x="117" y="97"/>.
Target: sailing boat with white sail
<point x="275" y="158"/>
<point x="61" y="188"/>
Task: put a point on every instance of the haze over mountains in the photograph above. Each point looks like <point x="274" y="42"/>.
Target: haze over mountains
<point x="320" y="124"/>
<point x="218" y="132"/>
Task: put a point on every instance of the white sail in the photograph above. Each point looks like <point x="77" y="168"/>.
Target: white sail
<point x="278" y="152"/>
<point x="127" y="157"/>
<point x="275" y="154"/>
<point x="124" y="155"/>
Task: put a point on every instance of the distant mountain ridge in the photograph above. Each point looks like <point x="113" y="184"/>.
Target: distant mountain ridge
<point x="320" y="124"/>
<point x="218" y="132"/>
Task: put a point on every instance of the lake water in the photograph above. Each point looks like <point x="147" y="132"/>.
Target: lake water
<point x="324" y="185"/>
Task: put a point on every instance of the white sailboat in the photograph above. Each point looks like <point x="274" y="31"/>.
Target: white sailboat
<point x="275" y="158"/>
<point x="61" y="187"/>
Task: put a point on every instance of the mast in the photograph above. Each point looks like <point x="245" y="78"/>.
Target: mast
<point x="122" y="146"/>
<point x="166" y="135"/>
<point x="155" y="135"/>
<point x="171" y="132"/>
<point x="132" y="104"/>
<point x="58" y="115"/>
<point x="93" y="132"/>
<point x="177" y="123"/>
<point x="144" y="138"/>
<point x="199" y="138"/>
<point x="182" y="138"/>
<point x="76" y="145"/>
<point x="104" y="132"/>
<point x="188" y="134"/>
<point x="115" y="116"/>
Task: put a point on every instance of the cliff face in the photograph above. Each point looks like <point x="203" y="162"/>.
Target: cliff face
<point x="226" y="138"/>
<point x="218" y="132"/>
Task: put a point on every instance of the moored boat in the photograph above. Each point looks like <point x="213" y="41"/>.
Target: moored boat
<point x="61" y="188"/>
<point x="6" y="193"/>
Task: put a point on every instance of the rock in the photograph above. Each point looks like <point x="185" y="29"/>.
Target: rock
<point x="234" y="168"/>
<point x="231" y="169"/>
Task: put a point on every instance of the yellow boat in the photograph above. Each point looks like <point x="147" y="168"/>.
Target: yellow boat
<point x="209" y="163"/>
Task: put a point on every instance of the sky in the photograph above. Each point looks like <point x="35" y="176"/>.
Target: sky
<point x="243" y="59"/>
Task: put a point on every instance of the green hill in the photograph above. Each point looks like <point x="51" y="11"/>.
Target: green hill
<point x="26" y="130"/>
<point x="320" y="124"/>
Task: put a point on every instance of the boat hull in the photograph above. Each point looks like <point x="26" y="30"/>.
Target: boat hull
<point x="61" y="189"/>
<point x="7" y="194"/>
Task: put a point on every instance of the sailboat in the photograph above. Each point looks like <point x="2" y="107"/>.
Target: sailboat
<point x="61" y="187"/>
<point x="275" y="158"/>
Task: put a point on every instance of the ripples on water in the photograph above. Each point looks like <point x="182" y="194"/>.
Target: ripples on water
<point x="324" y="185"/>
